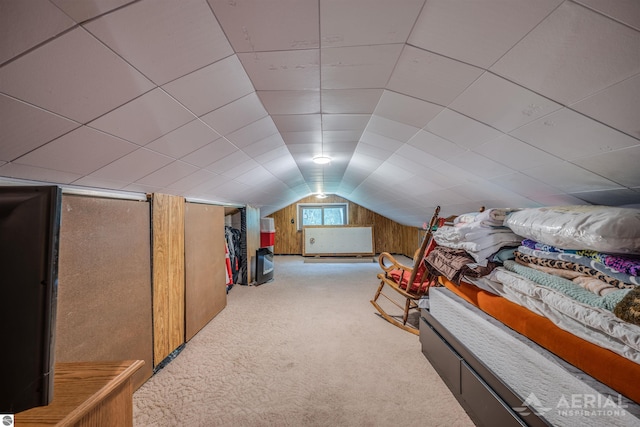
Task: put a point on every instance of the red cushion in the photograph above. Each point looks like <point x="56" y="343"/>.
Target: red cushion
<point x="402" y="277"/>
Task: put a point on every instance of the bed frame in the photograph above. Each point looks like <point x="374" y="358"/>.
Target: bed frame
<point x="484" y="396"/>
<point x="488" y="399"/>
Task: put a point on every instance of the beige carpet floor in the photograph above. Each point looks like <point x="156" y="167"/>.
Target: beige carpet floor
<point x="307" y="349"/>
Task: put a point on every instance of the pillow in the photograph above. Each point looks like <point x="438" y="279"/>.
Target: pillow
<point x="599" y="228"/>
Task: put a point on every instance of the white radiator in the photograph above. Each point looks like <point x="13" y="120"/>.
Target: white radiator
<point x="337" y="240"/>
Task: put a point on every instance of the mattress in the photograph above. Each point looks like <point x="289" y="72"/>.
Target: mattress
<point x="556" y="390"/>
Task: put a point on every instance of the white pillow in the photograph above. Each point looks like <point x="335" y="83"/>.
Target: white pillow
<point x="599" y="228"/>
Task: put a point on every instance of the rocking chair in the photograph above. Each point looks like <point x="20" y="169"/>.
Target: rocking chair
<point x="409" y="283"/>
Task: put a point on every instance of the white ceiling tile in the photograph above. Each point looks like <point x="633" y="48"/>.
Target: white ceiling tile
<point x="338" y="136"/>
<point x="350" y="101"/>
<point x="164" y="39"/>
<point x="480" y="165"/>
<point x="474" y="32"/>
<point x="258" y="174"/>
<point x="502" y="104"/>
<point x="81" y="11"/>
<point x="524" y="185"/>
<point x="381" y="141"/>
<point x="32" y="173"/>
<point x="406" y="109"/>
<point x="236" y="114"/>
<point x="375" y="151"/>
<point x="210" y="153"/>
<point x="73" y="75"/>
<point x="435" y="145"/>
<point x="25" y="127"/>
<point x="461" y="130"/>
<point x="332" y="122"/>
<point x="184" y="140"/>
<point x="338" y="148"/>
<point x="230" y="161"/>
<point x="358" y="67"/>
<point x="168" y="174"/>
<point x="253" y="132"/>
<point x="239" y="168"/>
<point x="290" y="101"/>
<point x="133" y="166"/>
<point x="145" y="118"/>
<point x="411" y="159"/>
<point x="275" y="154"/>
<point x="26" y="24"/>
<point x="626" y="11"/>
<point x="572" y="54"/>
<point x="620" y="166"/>
<point x="142" y="188"/>
<point x="570" y="178"/>
<point x="514" y="153"/>
<point x="265" y="145"/>
<point x="387" y="21"/>
<point x="617" y="106"/>
<point x="192" y="181"/>
<point x="211" y="87"/>
<point x="101" y="182"/>
<point x="570" y="135"/>
<point x="303" y="137"/>
<point x="256" y="25"/>
<point x="283" y="70"/>
<point x="298" y="122"/>
<point x="431" y="77"/>
<point x="392" y="129"/>
<point x="81" y="152"/>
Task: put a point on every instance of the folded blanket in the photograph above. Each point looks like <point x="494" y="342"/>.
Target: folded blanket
<point x="622" y="264"/>
<point x="570" y="266"/>
<point x="454" y="263"/>
<point x="627" y="280"/>
<point x="570" y="289"/>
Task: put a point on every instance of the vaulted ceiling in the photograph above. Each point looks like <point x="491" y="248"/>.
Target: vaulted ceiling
<point x="458" y="103"/>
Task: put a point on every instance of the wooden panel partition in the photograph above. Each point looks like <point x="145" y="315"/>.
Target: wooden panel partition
<point x="168" y="274"/>
<point x="104" y="284"/>
<point x="205" y="279"/>
<point x="252" y="216"/>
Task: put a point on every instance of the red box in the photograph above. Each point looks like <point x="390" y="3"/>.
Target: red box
<point x="267" y="239"/>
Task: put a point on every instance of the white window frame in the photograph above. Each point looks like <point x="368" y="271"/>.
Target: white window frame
<point x="301" y="206"/>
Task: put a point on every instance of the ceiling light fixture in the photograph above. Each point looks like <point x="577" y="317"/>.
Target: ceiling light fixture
<point x="321" y="160"/>
<point x="321" y="196"/>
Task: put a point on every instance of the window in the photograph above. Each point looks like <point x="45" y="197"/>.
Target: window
<point x="322" y="214"/>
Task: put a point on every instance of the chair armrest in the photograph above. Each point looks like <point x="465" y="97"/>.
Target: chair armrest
<point x="388" y="263"/>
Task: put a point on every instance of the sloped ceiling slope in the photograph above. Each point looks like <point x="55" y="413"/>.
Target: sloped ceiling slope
<point x="458" y="103"/>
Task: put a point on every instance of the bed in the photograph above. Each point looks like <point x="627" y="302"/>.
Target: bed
<point x="518" y="352"/>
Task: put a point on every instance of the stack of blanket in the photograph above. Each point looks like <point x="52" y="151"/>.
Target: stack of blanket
<point x="481" y="234"/>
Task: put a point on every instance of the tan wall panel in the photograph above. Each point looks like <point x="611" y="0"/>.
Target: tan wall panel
<point x="205" y="278"/>
<point x="168" y="274"/>
<point x="104" y="285"/>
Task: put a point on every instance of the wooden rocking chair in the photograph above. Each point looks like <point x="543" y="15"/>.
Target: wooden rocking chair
<point x="397" y="276"/>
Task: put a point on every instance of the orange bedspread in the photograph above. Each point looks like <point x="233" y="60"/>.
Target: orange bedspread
<point x="609" y="368"/>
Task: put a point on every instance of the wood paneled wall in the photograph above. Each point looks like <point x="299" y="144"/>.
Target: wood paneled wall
<point x="389" y="236"/>
<point x="168" y="274"/>
<point x="205" y="279"/>
<point x="104" y="283"/>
